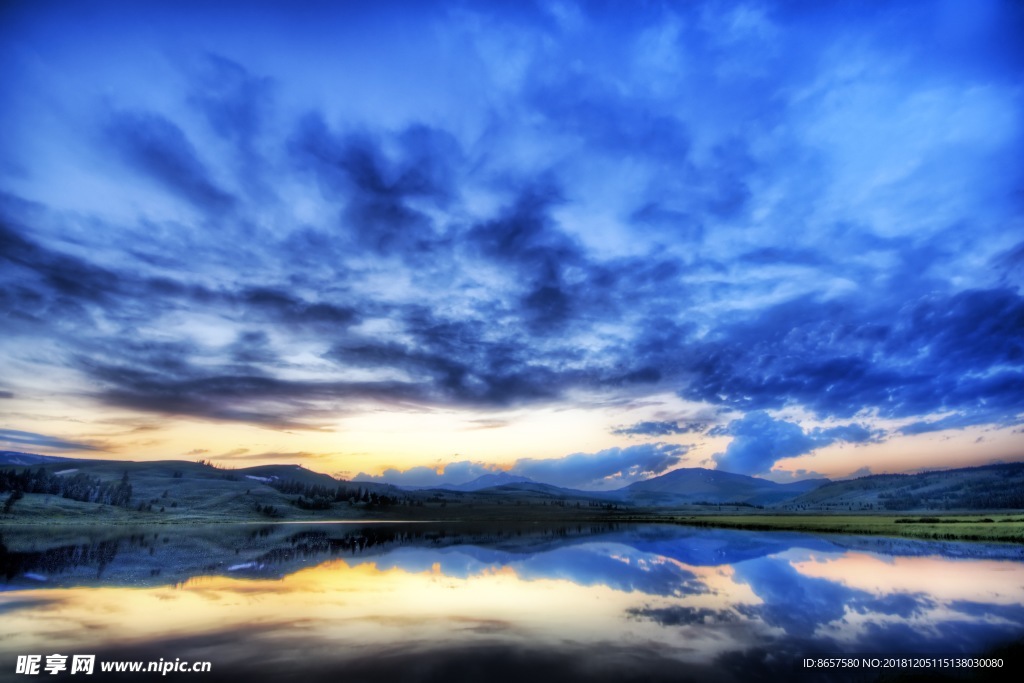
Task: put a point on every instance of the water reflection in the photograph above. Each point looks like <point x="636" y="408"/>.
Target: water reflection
<point x="417" y="602"/>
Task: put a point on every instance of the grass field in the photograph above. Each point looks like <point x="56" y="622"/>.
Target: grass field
<point x="1005" y="528"/>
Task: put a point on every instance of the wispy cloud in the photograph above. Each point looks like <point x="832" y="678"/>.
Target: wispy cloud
<point x="19" y="439"/>
<point x="660" y="428"/>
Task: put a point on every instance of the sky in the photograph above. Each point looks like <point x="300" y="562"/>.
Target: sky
<point x="587" y="243"/>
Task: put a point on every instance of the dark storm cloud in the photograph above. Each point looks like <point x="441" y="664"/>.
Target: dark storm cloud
<point x="378" y="190"/>
<point x="681" y="615"/>
<point x="281" y="305"/>
<point x="61" y="274"/>
<point x="525" y="238"/>
<point x="851" y="433"/>
<point x="660" y="428"/>
<point x="450" y="361"/>
<point x="454" y="361"/>
<point x="49" y="286"/>
<point x="559" y="287"/>
<point x="159" y="148"/>
<point x="21" y="439"/>
<point x="960" y="352"/>
<point x="254" y="398"/>
<point x="253" y="347"/>
<point x="236" y="104"/>
<point x="43" y="287"/>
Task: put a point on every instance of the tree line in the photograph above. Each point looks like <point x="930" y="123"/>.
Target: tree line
<point x="77" y="486"/>
<point x="320" y="497"/>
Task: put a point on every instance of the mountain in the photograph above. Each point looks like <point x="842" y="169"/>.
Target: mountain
<point x="487" y="481"/>
<point x="550" y="491"/>
<point x="700" y="485"/>
<point x="269" y="474"/>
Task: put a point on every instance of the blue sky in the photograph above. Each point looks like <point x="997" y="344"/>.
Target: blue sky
<point x="781" y="239"/>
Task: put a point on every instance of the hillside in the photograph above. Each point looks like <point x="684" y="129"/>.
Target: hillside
<point x="699" y="485"/>
<point x="174" y="491"/>
<point x="991" y="487"/>
<point x="487" y="481"/>
<point x="484" y="481"/>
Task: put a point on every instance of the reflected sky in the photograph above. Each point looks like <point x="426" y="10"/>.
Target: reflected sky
<point x="656" y="597"/>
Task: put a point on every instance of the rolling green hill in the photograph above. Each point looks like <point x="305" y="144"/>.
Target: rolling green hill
<point x="697" y="484"/>
<point x="992" y="487"/>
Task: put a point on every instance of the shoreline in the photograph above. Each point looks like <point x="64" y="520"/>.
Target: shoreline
<point x="993" y="527"/>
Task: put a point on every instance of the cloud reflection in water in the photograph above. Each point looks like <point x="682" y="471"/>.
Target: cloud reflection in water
<point x="621" y="603"/>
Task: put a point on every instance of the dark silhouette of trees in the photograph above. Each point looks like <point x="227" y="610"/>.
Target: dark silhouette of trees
<point x="320" y="497"/>
<point x="77" y="486"/>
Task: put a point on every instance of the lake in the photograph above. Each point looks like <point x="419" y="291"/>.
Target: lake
<point x="467" y="602"/>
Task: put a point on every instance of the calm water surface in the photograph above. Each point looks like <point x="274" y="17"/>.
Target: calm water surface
<point x="420" y="602"/>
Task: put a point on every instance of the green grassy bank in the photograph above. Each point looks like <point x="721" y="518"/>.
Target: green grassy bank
<point x="1003" y="528"/>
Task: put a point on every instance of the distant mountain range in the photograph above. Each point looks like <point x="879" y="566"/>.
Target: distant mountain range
<point x="685" y="486"/>
<point x="178" y="489"/>
<point x="700" y="485"/>
<point x="485" y="481"/>
<point x="679" y="487"/>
